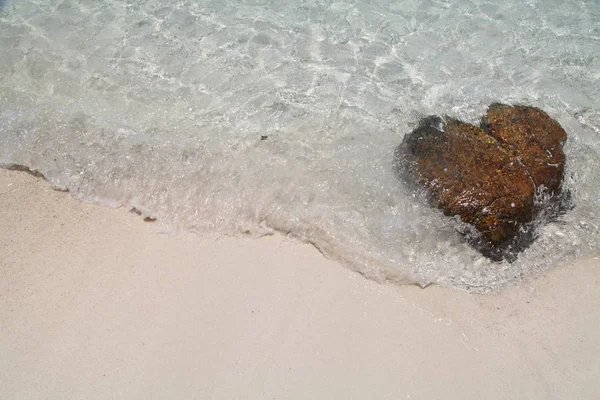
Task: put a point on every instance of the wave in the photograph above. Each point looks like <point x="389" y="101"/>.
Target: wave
<point x="253" y="119"/>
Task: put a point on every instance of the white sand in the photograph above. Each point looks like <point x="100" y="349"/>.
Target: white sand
<point x="94" y="305"/>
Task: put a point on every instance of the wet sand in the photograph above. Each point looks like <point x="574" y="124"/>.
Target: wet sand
<point x="95" y="304"/>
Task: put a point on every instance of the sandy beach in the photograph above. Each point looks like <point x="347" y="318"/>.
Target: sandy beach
<point x="95" y="305"/>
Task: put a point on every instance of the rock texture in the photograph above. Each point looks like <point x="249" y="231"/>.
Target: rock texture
<point x="488" y="175"/>
<point x="534" y="137"/>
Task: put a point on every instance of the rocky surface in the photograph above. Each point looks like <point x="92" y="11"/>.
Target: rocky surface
<point x="534" y="137"/>
<point x="488" y="175"/>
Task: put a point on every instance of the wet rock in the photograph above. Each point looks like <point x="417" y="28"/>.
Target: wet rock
<point x="534" y="137"/>
<point x="489" y="175"/>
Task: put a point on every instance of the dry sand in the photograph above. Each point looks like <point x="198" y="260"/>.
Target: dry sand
<point x="95" y="305"/>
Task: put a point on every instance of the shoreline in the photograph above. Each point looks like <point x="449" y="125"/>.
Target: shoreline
<point x="96" y="305"/>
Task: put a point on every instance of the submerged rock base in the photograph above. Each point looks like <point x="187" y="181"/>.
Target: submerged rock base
<point x="497" y="177"/>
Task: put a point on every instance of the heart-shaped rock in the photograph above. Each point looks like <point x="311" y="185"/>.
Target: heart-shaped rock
<point x="489" y="175"/>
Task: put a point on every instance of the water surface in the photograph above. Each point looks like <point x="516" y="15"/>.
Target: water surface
<point x="249" y="117"/>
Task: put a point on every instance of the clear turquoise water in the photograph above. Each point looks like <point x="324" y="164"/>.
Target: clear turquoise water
<point x="161" y="105"/>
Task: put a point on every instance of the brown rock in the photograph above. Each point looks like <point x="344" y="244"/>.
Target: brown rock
<point x="534" y="137"/>
<point x="487" y="177"/>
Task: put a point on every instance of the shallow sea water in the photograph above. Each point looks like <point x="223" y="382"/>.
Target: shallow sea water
<point x="250" y="117"/>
